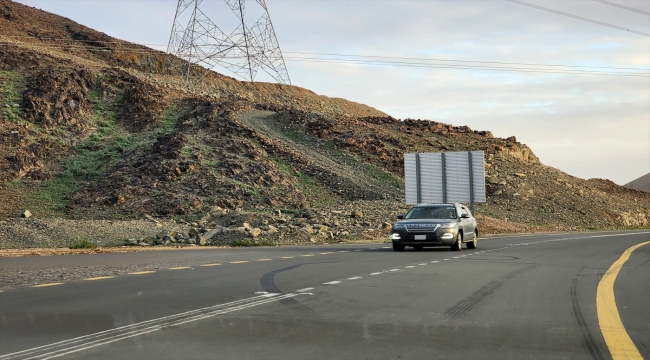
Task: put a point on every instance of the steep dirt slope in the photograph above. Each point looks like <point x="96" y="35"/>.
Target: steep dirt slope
<point x="92" y="127"/>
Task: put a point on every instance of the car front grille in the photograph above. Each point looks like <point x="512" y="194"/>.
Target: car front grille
<point x="422" y="228"/>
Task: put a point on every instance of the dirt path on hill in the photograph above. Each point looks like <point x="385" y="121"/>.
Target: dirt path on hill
<point x="345" y="166"/>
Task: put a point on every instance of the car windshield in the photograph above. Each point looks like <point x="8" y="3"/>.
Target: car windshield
<point x="431" y="212"/>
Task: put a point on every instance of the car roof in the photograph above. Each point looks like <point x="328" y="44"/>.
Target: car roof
<point x="423" y="205"/>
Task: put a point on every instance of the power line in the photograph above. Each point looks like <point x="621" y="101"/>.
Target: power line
<point x="143" y="49"/>
<point x="579" y="17"/>
<point x="384" y="63"/>
<point x="623" y="7"/>
<point x="465" y="67"/>
<point x="468" y="61"/>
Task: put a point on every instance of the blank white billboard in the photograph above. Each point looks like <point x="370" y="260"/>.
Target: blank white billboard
<point x="444" y="177"/>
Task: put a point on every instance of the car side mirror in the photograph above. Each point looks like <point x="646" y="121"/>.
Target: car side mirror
<point x="465" y="216"/>
<point x="400" y="216"/>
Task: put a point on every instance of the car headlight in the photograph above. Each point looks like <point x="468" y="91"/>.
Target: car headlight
<point x="447" y="226"/>
<point x="395" y="237"/>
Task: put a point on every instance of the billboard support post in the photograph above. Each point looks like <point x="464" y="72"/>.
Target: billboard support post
<point x="418" y="182"/>
<point x="471" y="183"/>
<point x="444" y="178"/>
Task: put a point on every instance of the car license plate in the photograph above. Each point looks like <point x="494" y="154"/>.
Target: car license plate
<point x="420" y="237"/>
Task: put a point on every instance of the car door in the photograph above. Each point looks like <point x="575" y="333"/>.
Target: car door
<point x="466" y="223"/>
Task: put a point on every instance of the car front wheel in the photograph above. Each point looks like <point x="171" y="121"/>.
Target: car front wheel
<point x="458" y="245"/>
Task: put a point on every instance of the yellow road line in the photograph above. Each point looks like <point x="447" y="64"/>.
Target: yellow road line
<point x="287" y="257"/>
<point x="50" y="284"/>
<point x="179" y="268"/>
<point x="238" y="262"/>
<point x="617" y="339"/>
<point x="263" y="259"/>
<point x="142" y="272"/>
<point x="308" y="255"/>
<point x="99" y="278"/>
<point x="210" y="264"/>
<point x="326" y="253"/>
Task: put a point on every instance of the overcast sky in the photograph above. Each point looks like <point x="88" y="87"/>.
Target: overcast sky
<point x="590" y="126"/>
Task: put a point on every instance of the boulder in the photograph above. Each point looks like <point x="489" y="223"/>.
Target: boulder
<point x="254" y="232"/>
<point x="212" y="233"/>
<point x="307" y="229"/>
<point x="131" y="242"/>
<point x="27" y="214"/>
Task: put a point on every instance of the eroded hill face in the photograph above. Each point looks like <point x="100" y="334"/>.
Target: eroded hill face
<point x="92" y="127"/>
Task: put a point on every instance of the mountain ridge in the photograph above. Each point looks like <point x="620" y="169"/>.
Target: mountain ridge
<point x="98" y="128"/>
<point x="642" y="183"/>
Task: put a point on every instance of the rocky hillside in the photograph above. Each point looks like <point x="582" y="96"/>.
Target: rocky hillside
<point x="642" y="183"/>
<point x="93" y="127"/>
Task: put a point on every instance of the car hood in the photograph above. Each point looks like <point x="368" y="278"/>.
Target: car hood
<point x="425" y="221"/>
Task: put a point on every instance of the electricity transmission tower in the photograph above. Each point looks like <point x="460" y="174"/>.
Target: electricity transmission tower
<point x="235" y="45"/>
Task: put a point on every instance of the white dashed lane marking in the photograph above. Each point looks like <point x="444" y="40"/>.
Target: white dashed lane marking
<point x="355" y="278"/>
<point x="332" y="283"/>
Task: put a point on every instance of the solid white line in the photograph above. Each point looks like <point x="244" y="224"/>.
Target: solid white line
<point x="261" y="292"/>
<point x="92" y="344"/>
<point x="355" y="278"/>
<point x="304" y="290"/>
<point x="332" y="283"/>
<point x="151" y="323"/>
<point x="598" y="236"/>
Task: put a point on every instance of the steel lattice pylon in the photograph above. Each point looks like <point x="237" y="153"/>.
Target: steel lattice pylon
<point x="243" y="51"/>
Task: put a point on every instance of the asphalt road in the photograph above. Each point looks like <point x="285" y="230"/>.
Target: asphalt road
<point x="515" y="297"/>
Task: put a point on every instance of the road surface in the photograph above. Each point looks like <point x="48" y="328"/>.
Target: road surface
<point x="538" y="296"/>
